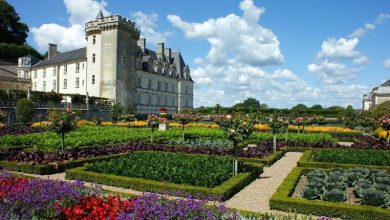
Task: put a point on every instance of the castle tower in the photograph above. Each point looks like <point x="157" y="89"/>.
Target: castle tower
<point x="111" y="57"/>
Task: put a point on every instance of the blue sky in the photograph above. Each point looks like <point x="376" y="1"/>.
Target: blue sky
<point x="280" y="52"/>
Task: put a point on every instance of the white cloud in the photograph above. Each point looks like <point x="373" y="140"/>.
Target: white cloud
<point x="386" y="63"/>
<point x="341" y="48"/>
<point x="72" y="36"/>
<point x="332" y="72"/>
<point x="382" y="18"/>
<point x="147" y="23"/>
<point x="233" y="37"/>
<point x="360" y="32"/>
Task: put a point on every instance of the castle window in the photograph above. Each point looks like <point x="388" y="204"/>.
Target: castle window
<point x="94" y="39"/>
<point x="44" y="86"/>
<point x="149" y="100"/>
<point x="173" y="87"/>
<point x="166" y="101"/>
<point x="139" y="82"/>
<point x="54" y="85"/>
<point x="77" y="82"/>
<point x="44" y="72"/>
<point x="93" y="58"/>
<point x="35" y="86"/>
<point x="65" y="69"/>
<point x="150" y="84"/>
<point x="93" y="79"/>
<point x="77" y="67"/>
<point x="35" y="74"/>
<point x="65" y="83"/>
<point x="166" y="87"/>
<point x="186" y="90"/>
<point x="54" y="71"/>
<point x="159" y="86"/>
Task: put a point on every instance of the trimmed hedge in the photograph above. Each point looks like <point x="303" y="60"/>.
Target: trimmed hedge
<point x="224" y="191"/>
<point x="48" y="169"/>
<point x="306" y="162"/>
<point x="281" y="200"/>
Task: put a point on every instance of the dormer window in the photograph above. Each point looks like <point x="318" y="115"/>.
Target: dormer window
<point x="94" y="39"/>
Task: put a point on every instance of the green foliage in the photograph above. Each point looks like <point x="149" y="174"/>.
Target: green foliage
<point x="281" y="200"/>
<point x="116" y="112"/>
<point x="201" y="143"/>
<point x="350" y="117"/>
<point x="375" y="197"/>
<point x="24" y="110"/>
<point x="62" y="122"/>
<point x="196" y="170"/>
<point x="379" y="111"/>
<point x="224" y="191"/>
<point x="12" y="30"/>
<point x="364" y="157"/>
<point x="235" y="128"/>
<point x="307" y="137"/>
<point x="128" y="114"/>
<point x="13" y="51"/>
<point x="335" y="195"/>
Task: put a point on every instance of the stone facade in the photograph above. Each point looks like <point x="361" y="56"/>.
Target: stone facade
<point x="378" y="95"/>
<point x="117" y="65"/>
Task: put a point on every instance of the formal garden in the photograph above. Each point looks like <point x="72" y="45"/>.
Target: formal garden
<point x="193" y="166"/>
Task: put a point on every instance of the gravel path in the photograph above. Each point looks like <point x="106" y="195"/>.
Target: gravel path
<point x="255" y="197"/>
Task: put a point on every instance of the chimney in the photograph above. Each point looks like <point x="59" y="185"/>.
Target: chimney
<point x="167" y="53"/>
<point x="142" y="43"/>
<point x="52" y="51"/>
<point x="160" y="51"/>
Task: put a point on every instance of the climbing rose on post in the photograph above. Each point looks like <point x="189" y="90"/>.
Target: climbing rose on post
<point x="153" y="121"/>
<point x="298" y="121"/>
<point x="62" y="123"/>
<point x="277" y="126"/>
<point x="236" y="129"/>
<point x="182" y="119"/>
<point x="385" y="124"/>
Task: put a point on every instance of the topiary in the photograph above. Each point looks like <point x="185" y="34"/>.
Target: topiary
<point x="24" y="110"/>
<point x="374" y="197"/>
<point x="335" y="195"/>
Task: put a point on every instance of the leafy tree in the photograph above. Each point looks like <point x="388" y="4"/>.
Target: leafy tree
<point x="183" y="119"/>
<point x="153" y="122"/>
<point x="380" y="110"/>
<point x="128" y="114"/>
<point x="299" y="107"/>
<point x="317" y="107"/>
<point x="277" y="126"/>
<point x="62" y="122"/>
<point x="251" y="103"/>
<point x="116" y="112"/>
<point x="263" y="106"/>
<point x="350" y="117"/>
<point x="25" y="110"/>
<point x="12" y="30"/>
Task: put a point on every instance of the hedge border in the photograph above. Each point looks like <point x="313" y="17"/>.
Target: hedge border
<point x="267" y="161"/>
<point x="223" y="191"/>
<point x="305" y="162"/>
<point x="47" y="169"/>
<point x="281" y="200"/>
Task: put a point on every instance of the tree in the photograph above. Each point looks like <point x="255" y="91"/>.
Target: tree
<point x="116" y="112"/>
<point x="236" y="129"/>
<point x="277" y="127"/>
<point x="153" y="122"/>
<point x="317" y="107"/>
<point x="62" y="122"/>
<point x="251" y="104"/>
<point x="183" y="119"/>
<point x="128" y="114"/>
<point x="25" y="110"/>
<point x="12" y="30"/>
<point x="350" y="117"/>
<point x="299" y="107"/>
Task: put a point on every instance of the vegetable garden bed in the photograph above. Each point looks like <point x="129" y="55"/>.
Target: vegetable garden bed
<point x="283" y="200"/>
<point x="178" y="174"/>
<point x="345" y="159"/>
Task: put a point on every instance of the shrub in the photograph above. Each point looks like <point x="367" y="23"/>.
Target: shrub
<point x="25" y="110"/>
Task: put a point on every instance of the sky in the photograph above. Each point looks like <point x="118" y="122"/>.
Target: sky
<point x="280" y="52"/>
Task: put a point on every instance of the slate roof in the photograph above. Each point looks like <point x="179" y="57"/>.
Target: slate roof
<point x="77" y="54"/>
<point x="384" y="88"/>
<point x="34" y="60"/>
<point x="387" y="83"/>
<point x="8" y="70"/>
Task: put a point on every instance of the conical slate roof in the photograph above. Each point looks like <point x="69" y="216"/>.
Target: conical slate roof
<point x="100" y="14"/>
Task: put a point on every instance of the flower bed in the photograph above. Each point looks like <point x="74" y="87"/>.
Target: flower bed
<point x="19" y="130"/>
<point x="103" y="135"/>
<point x="196" y="170"/>
<point x="48" y="199"/>
<point x="283" y="201"/>
<point x="187" y="175"/>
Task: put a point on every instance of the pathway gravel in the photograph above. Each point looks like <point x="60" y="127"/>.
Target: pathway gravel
<point x="255" y="197"/>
